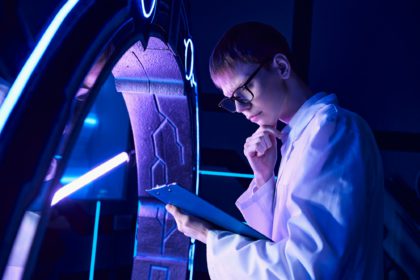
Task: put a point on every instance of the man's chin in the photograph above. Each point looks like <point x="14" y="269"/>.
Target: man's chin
<point x="266" y="123"/>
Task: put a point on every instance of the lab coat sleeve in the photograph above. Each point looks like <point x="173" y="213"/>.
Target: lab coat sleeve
<point x="256" y="205"/>
<point x="327" y="201"/>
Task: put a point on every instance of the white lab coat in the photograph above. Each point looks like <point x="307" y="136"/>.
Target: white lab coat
<point x="325" y="212"/>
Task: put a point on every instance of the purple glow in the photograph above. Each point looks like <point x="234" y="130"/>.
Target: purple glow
<point x="89" y="177"/>
<point x="157" y="73"/>
<point x="152" y="84"/>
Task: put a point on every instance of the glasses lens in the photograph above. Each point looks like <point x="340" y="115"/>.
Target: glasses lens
<point x="228" y="104"/>
<point x="243" y="95"/>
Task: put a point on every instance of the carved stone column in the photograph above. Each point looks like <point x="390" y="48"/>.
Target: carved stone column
<point x="152" y="86"/>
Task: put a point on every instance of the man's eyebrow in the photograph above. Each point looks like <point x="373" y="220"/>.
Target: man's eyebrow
<point x="236" y="88"/>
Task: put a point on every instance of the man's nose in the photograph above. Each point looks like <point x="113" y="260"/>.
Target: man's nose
<point x="240" y="107"/>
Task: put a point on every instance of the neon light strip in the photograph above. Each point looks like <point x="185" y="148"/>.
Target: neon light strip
<point x="68" y="179"/>
<point x="91" y="121"/>
<point x="95" y="240"/>
<point x="89" y="177"/>
<point x="187" y="43"/>
<point x="143" y="9"/>
<point x="33" y="60"/>
<point x="137" y="230"/>
<point x="226" y="174"/>
<point x="191" y="259"/>
<point x="197" y="182"/>
<point x="190" y="76"/>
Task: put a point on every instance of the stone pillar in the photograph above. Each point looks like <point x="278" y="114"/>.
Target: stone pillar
<point x="153" y="89"/>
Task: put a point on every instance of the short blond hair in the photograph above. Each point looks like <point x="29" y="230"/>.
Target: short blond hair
<point x="249" y="42"/>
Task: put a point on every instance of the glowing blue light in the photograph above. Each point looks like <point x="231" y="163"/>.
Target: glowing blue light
<point x="189" y="74"/>
<point x="137" y="230"/>
<point x="33" y="60"/>
<point x="143" y="8"/>
<point x="226" y="174"/>
<point x="191" y="258"/>
<point x="197" y="180"/>
<point x="95" y="240"/>
<point x="90" y="176"/>
<point x="91" y="121"/>
<point x="68" y="179"/>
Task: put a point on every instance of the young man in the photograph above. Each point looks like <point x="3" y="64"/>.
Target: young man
<point x="324" y="213"/>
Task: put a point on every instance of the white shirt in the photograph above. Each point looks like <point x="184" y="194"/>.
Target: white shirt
<point x="324" y="213"/>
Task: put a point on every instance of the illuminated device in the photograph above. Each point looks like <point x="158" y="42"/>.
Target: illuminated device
<point x="90" y="176"/>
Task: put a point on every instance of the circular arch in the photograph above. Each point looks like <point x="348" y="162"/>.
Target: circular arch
<point x="35" y="127"/>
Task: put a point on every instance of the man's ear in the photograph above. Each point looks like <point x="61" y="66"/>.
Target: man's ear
<point x="282" y="65"/>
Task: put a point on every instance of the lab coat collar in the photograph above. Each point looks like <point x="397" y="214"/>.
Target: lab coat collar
<point x="305" y="114"/>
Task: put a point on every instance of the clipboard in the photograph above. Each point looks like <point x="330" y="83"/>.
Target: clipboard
<point x="193" y="205"/>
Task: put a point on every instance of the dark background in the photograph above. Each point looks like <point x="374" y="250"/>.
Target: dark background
<point x="366" y="52"/>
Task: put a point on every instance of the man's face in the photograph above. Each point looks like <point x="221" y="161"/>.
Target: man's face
<point x="268" y="88"/>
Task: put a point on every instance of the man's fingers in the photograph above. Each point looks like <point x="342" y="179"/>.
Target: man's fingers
<point x="251" y="150"/>
<point x="260" y="136"/>
<point x="173" y="210"/>
<point x="249" y="153"/>
<point x="259" y="145"/>
<point x="262" y="140"/>
<point x="270" y="129"/>
<point x="267" y="140"/>
<point x="178" y="216"/>
<point x="262" y="133"/>
<point x="259" y="141"/>
<point x="169" y="208"/>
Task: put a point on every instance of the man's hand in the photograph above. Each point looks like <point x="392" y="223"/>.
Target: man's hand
<point x="261" y="151"/>
<point x="190" y="226"/>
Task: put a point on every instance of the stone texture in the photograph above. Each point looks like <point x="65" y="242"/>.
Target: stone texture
<point x="153" y="90"/>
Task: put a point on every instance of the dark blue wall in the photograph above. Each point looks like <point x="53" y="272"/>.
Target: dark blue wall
<point x="368" y="53"/>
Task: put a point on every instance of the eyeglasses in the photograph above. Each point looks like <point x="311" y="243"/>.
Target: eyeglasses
<point x="242" y="94"/>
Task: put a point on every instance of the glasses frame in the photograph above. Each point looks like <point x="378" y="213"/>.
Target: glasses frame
<point x="244" y="86"/>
